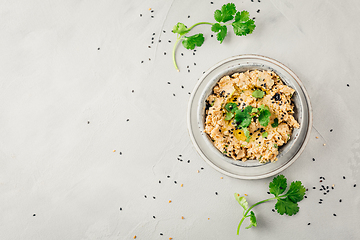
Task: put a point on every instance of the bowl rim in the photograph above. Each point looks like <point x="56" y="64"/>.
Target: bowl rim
<point x="308" y="131"/>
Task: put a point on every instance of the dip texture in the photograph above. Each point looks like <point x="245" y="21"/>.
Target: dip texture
<point x="230" y="102"/>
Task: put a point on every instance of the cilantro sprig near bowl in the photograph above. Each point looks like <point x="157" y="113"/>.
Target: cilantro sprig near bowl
<point x="286" y="203"/>
<point x="242" y="25"/>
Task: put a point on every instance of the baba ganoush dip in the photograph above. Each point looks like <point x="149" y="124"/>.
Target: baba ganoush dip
<point x="249" y="115"/>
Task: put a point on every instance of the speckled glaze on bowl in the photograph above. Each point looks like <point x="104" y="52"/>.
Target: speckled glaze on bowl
<point x="250" y="169"/>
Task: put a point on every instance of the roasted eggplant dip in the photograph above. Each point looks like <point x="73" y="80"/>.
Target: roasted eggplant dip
<point x="249" y="115"/>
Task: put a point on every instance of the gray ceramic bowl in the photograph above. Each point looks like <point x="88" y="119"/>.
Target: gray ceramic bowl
<point x="250" y="169"/>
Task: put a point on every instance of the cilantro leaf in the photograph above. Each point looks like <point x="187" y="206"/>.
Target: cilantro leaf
<point x="296" y="192"/>
<point x="264" y="116"/>
<point x="276" y="123"/>
<point x="180" y="28"/>
<point x="221" y="31"/>
<point x="286" y="206"/>
<point x="275" y="145"/>
<point x="242" y="16"/>
<point x="254" y="110"/>
<point x="192" y="41"/>
<point x="247" y="134"/>
<point x="258" y="94"/>
<point x="265" y="134"/>
<point x="229" y="116"/>
<point x="242" y="201"/>
<point x="226" y="13"/>
<point x="278" y="185"/>
<point x="243" y="117"/>
<point x="252" y="220"/>
<point x="231" y="107"/>
<point x="243" y="24"/>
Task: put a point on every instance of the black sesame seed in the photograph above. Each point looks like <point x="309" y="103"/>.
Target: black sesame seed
<point x="161" y="234"/>
<point x="98" y="48"/>
<point x="308" y="223"/>
<point x="169" y="41"/>
<point x="182" y="54"/>
<point x="331" y="130"/>
<point x="152" y="16"/>
<point x="120" y="209"/>
<point x="142" y="61"/>
<point x="216" y="193"/>
<point x="145" y="196"/>
<point x="153" y="216"/>
<point x="320" y="202"/>
<point x="188" y="70"/>
<point x="168" y="176"/>
<point x="211" y="35"/>
<point x="273" y="210"/>
<point x="34" y="215"/>
<point x="159" y="181"/>
<point x="188" y="16"/>
<point x="268" y="192"/>
<point x="211" y="2"/>
<point x="343" y="177"/>
<point x="340" y="200"/>
<point x="202" y="168"/>
<point x="188" y="161"/>
<point x="127" y="120"/>
<point x="174" y="94"/>
<point x="152" y="10"/>
<point x="88" y="122"/>
<point x="324" y="193"/>
<point x="348" y="85"/>
<point x="258" y="11"/>
<point x="305" y="196"/>
<point x="168" y="82"/>
<point x="164" y="53"/>
<point x="314" y="187"/>
<point x="175" y="182"/>
<point x="334" y="215"/>
<point x="140" y="15"/>
<point x="354" y="185"/>
<point x="120" y="153"/>
<point x="154" y="197"/>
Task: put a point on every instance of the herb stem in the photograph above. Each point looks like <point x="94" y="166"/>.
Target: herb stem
<point x="199" y="23"/>
<point x="245" y="215"/>
<point x="173" y="53"/>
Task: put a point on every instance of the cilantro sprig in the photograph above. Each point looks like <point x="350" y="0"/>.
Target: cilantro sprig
<point x="286" y="203"/>
<point x="243" y="117"/>
<point x="242" y="25"/>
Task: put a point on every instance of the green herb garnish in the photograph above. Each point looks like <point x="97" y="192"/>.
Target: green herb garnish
<point x="231" y="107"/>
<point x="275" y="145"/>
<point x="265" y="134"/>
<point x="286" y="203"/>
<point x="258" y="94"/>
<point x="247" y="134"/>
<point x="242" y="25"/>
<point x="264" y="116"/>
<point x="276" y="123"/>
<point x="243" y="117"/>
<point x="229" y="116"/>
